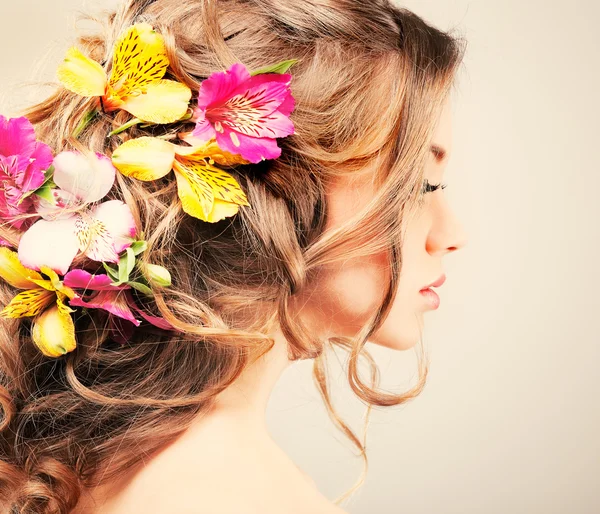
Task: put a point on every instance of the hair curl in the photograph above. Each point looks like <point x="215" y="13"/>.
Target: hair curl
<point x="369" y="84"/>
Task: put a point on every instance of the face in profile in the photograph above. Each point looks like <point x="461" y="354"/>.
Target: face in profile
<point x="347" y="294"/>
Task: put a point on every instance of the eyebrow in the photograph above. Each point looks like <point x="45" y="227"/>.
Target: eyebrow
<point x="438" y="152"/>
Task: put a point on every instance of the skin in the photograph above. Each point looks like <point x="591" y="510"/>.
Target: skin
<point x="230" y="448"/>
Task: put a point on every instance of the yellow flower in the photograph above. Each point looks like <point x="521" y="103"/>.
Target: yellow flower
<point x="136" y="82"/>
<point x="206" y="192"/>
<point x="53" y="329"/>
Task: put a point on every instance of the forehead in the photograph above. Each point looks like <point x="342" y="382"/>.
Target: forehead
<point x="442" y="135"/>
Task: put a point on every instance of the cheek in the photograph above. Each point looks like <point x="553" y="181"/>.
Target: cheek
<point x="346" y="295"/>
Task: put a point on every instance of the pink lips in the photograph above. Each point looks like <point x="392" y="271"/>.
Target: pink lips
<point x="437" y="283"/>
<point x="430" y="296"/>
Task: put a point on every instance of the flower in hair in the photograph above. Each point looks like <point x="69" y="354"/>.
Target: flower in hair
<point x="245" y="112"/>
<point x="206" y="191"/>
<point x="23" y="161"/>
<point x="71" y="225"/>
<point x="113" y="297"/>
<point x="43" y="298"/>
<point x="136" y="82"/>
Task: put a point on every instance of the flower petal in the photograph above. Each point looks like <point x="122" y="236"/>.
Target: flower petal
<point x="28" y="303"/>
<point x="50" y="243"/>
<point x="118" y="220"/>
<point x="13" y="272"/>
<point x="208" y="149"/>
<point x="140" y="58"/>
<point x="83" y="279"/>
<point x="17" y="136"/>
<point x="255" y="149"/>
<point x="114" y="302"/>
<point x="157" y="321"/>
<point x="88" y="177"/>
<point x="94" y="239"/>
<point x="199" y="184"/>
<point x="164" y="101"/>
<point x="54" y="331"/>
<point x="81" y="74"/>
<point x="144" y="158"/>
<point x="220" y="85"/>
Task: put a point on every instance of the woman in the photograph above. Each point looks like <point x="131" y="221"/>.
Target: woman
<point x="343" y="232"/>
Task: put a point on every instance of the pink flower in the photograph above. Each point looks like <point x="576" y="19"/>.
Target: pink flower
<point x="23" y="161"/>
<point x="70" y="225"/>
<point x="245" y="113"/>
<point x="117" y="300"/>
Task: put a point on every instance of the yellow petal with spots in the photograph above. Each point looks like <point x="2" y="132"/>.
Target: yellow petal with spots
<point x="211" y="150"/>
<point x="57" y="284"/>
<point x="81" y="74"/>
<point x="140" y="58"/>
<point x="164" y="101"/>
<point x="28" y="303"/>
<point x="196" y="197"/>
<point x="14" y="272"/>
<point x="144" y="158"/>
<point x="54" y="331"/>
<point x="199" y="184"/>
<point x="222" y="210"/>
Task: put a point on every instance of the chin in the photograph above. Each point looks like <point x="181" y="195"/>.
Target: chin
<point x="399" y="332"/>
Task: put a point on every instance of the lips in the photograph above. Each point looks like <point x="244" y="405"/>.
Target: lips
<point x="437" y="283"/>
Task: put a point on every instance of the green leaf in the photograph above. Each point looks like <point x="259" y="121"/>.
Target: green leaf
<point x="142" y="288"/>
<point x="280" y="67"/>
<point x="130" y="123"/>
<point x="138" y="247"/>
<point x="45" y="192"/>
<point x="89" y="116"/>
<point x="111" y="272"/>
<point x="126" y="264"/>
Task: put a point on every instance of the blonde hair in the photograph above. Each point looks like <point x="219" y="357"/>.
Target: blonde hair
<point x="369" y="84"/>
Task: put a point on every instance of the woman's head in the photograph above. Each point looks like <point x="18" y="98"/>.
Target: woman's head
<point x="344" y="295"/>
<point x="371" y="83"/>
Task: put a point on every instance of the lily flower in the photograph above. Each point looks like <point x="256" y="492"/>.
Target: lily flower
<point x="136" y="82"/>
<point x="53" y="330"/>
<point x="22" y="164"/>
<point x="244" y="112"/>
<point x="71" y="226"/>
<point x="206" y="191"/>
<point x="115" y="299"/>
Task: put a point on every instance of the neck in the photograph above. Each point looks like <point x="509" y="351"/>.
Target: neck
<point x="246" y="399"/>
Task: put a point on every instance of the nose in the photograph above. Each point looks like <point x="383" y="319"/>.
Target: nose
<point x="447" y="233"/>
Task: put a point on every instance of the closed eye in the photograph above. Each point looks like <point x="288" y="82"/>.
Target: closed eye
<point x="430" y="188"/>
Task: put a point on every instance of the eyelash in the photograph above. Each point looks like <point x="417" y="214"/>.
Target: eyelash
<point x="430" y="188"/>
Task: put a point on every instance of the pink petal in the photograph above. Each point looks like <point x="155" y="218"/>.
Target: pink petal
<point x="82" y="279"/>
<point x="253" y="149"/>
<point x="203" y="130"/>
<point x="50" y="243"/>
<point x="89" y="178"/>
<point x="219" y="86"/>
<point x="119" y="222"/>
<point x="114" y="302"/>
<point x="157" y="321"/>
<point x="17" y="136"/>
<point x="121" y="330"/>
<point x="274" y="124"/>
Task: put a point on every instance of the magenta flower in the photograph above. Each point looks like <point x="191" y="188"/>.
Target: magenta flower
<point x="71" y="225"/>
<point x="117" y="300"/>
<point x="23" y="161"/>
<point x="244" y="113"/>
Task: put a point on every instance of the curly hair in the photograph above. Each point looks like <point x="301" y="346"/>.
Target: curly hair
<point x="369" y="84"/>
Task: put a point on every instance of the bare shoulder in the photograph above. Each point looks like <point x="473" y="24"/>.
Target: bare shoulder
<point x="226" y="473"/>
